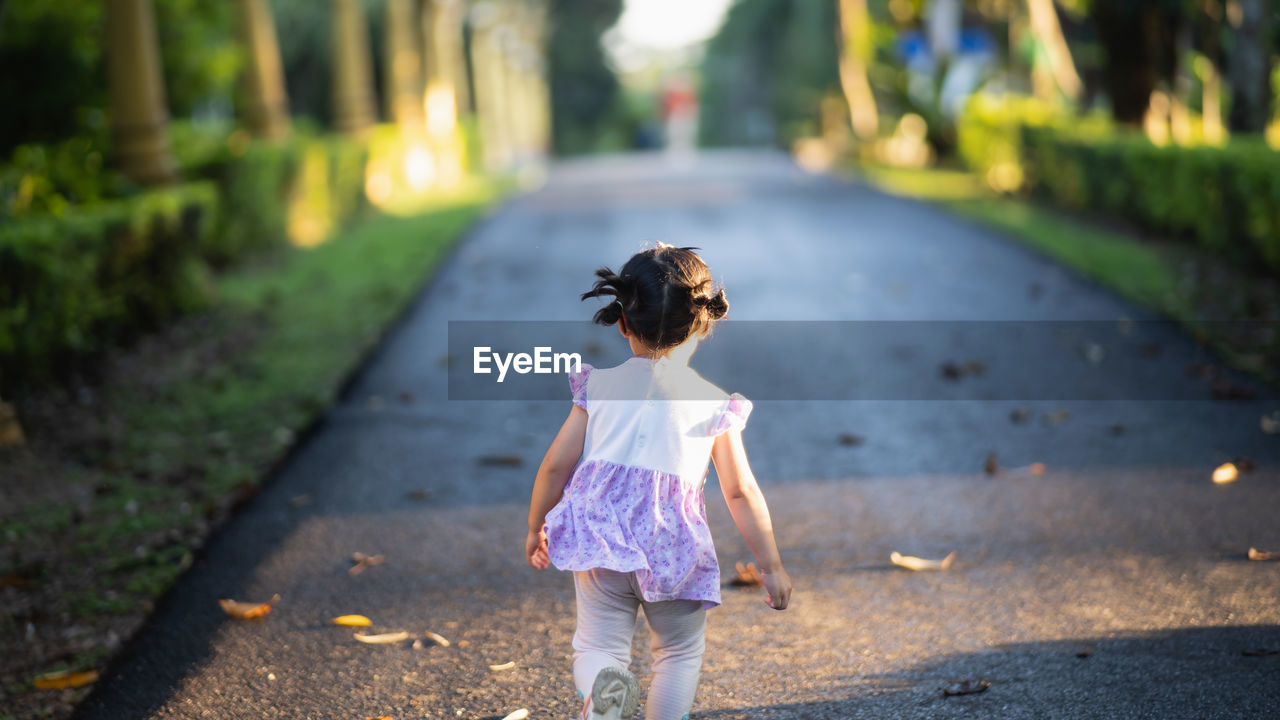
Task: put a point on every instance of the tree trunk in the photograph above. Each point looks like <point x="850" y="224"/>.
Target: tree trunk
<point x="139" y="119"/>
<point x="855" y="57"/>
<point x="1048" y="33"/>
<point x="402" y="66"/>
<point x="262" y="92"/>
<point x="1249" y="65"/>
<point x="1139" y="48"/>
<point x="353" y="105"/>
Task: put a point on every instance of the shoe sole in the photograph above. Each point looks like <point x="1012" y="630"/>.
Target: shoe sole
<point x="615" y="694"/>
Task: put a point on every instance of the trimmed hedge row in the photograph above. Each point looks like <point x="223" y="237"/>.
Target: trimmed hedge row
<point x="1227" y="199"/>
<point x="73" y="284"/>
<point x="69" y="284"/>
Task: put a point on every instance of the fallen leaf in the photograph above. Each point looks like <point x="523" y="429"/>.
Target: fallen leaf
<point x="1084" y="652"/>
<point x="363" y="561"/>
<point x="11" y="434"/>
<point x="966" y="687"/>
<point x="1225" y="473"/>
<point x="1244" y="464"/>
<point x="1036" y="468"/>
<point x="1057" y="417"/>
<point x="521" y="714"/>
<point x="247" y="610"/>
<point x="1259" y="652"/>
<point x="747" y="576"/>
<point x="417" y="645"/>
<point x="422" y="495"/>
<point x="65" y="679"/>
<point x="950" y="371"/>
<point x="500" y="460"/>
<point x="1271" y="423"/>
<point x="1117" y="429"/>
<point x="464" y="643"/>
<point x="383" y="639"/>
<point x="503" y="666"/>
<point x="992" y="465"/>
<point x="380" y="717"/>
<point x="849" y="439"/>
<point x="911" y="562"/>
<point x="1019" y="416"/>
<point x="1262" y="555"/>
<point x="974" y="367"/>
<point x="352" y="621"/>
<point x="437" y="639"/>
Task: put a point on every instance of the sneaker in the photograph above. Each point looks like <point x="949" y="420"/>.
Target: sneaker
<point x="614" y="695"/>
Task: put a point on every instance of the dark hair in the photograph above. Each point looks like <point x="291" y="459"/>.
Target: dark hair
<point x="664" y="295"/>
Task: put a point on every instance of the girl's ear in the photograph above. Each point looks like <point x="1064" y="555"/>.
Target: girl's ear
<point x="622" y="326"/>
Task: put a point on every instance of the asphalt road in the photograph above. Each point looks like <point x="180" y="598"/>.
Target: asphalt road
<point x="1112" y="585"/>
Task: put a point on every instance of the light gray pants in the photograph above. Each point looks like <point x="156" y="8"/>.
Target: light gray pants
<point x="607" y="604"/>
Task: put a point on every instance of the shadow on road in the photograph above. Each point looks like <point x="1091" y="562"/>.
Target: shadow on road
<point x="1197" y="672"/>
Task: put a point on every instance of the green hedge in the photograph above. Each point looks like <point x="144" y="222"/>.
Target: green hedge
<point x="72" y="284"/>
<point x="1225" y="198"/>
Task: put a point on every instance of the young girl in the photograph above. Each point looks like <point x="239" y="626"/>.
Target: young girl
<point x="618" y="497"/>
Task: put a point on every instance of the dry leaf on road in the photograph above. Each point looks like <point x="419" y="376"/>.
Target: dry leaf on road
<point x="849" y="439"/>
<point x="966" y="687"/>
<point x="1262" y="555"/>
<point x="1225" y="473"/>
<point x="437" y="639"/>
<point x="1258" y="652"/>
<point x="383" y="639"/>
<point x="503" y="666"/>
<point x="352" y="621"/>
<point x="911" y="562"/>
<point x="65" y="679"/>
<point x="363" y="561"/>
<point x="992" y="464"/>
<point x="247" y="610"/>
<point x="521" y="714"/>
<point x="747" y="576"/>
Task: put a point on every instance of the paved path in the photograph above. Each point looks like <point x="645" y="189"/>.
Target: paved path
<point x="1122" y="551"/>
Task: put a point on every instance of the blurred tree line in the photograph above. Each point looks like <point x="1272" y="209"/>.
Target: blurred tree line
<point x="772" y="71"/>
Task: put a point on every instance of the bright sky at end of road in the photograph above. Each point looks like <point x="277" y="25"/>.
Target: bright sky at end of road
<point x="670" y="24"/>
<point x="652" y="28"/>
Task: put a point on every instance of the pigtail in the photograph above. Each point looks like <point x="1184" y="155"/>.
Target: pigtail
<point x="610" y="284"/>
<point x="717" y="305"/>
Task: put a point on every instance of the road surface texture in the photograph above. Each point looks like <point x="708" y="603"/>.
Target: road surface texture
<point x="1114" y="584"/>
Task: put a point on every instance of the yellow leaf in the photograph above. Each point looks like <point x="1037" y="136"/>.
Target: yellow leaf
<point x="1225" y="473"/>
<point x="437" y="639"/>
<point x="247" y="610"/>
<point x="503" y="666"/>
<point x="911" y="562"/>
<point x="383" y="639"/>
<point x="352" y="621"/>
<point x="65" y="679"/>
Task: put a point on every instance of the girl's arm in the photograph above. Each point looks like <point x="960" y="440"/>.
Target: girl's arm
<point x="750" y="514"/>
<point x="548" y="486"/>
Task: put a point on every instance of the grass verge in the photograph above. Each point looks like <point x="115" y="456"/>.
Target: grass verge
<point x="121" y="480"/>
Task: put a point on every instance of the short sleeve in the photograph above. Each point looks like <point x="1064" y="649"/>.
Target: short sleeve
<point x="734" y="416"/>
<point x="578" y="385"/>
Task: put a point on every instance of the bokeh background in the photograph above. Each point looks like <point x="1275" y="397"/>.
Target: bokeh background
<point x="212" y="210"/>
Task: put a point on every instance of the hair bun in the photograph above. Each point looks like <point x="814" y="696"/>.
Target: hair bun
<point x="717" y="305"/>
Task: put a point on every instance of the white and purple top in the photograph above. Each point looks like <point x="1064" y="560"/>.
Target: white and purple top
<point x="634" y="502"/>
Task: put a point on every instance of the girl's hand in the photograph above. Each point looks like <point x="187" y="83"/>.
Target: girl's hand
<point x="778" y="585"/>
<point x="535" y="551"/>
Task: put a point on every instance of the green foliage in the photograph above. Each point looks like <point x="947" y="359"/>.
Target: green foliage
<point x="48" y="179"/>
<point x="61" y="89"/>
<point x="584" y="91"/>
<point x="1225" y="198"/>
<point x="766" y="71"/>
<point x="54" y="76"/>
<point x="70" y="285"/>
<point x="989" y="134"/>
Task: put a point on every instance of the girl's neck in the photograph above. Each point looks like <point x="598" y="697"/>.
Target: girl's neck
<point x="679" y="354"/>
